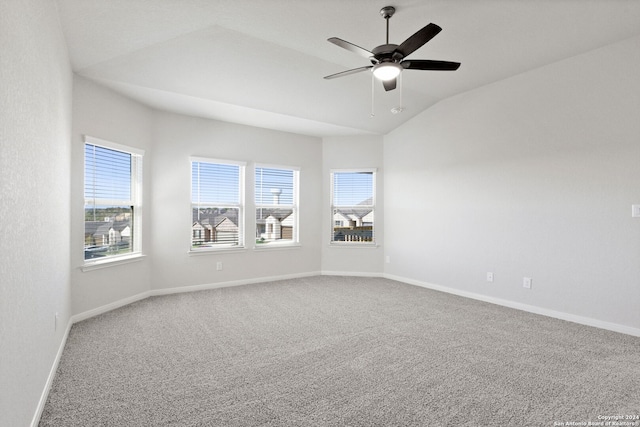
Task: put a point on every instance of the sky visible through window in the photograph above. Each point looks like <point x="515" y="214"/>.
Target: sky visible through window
<point x="215" y="183"/>
<point x="352" y="188"/>
<point x="272" y="184"/>
<point x="107" y="173"/>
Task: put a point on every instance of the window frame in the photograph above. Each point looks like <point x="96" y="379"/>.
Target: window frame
<point x="241" y="206"/>
<point x="295" y="206"/>
<point x="136" y="183"/>
<point x="333" y="208"/>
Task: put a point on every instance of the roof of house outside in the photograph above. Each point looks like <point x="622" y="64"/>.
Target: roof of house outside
<point x="100" y="228"/>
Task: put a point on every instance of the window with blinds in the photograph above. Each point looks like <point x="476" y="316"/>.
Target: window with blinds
<point x="216" y="204"/>
<point x="112" y="199"/>
<point x="276" y="201"/>
<point x="353" y="206"/>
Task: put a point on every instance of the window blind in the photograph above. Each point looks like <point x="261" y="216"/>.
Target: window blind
<point x="107" y="174"/>
<point x="352" y="188"/>
<point x="215" y="183"/>
<point x="274" y="186"/>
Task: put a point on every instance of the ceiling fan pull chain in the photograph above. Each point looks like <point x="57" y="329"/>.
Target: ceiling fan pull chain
<point x="373" y="113"/>
<point x="401" y="89"/>
<point x="399" y="108"/>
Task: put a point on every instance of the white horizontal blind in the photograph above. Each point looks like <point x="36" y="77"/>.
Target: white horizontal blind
<point x="216" y="201"/>
<point x="353" y="206"/>
<point x="215" y="183"/>
<point x="274" y="186"/>
<point x="107" y="174"/>
<point x="276" y="195"/>
<point x="112" y="189"/>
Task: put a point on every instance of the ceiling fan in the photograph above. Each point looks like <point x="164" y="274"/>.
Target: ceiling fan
<point x="389" y="59"/>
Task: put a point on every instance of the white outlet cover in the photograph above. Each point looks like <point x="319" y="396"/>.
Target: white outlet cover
<point x="635" y="211"/>
<point x="526" y="282"/>
<point x="489" y="276"/>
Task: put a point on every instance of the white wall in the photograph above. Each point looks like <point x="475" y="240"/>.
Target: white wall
<point x="531" y="176"/>
<point x="35" y="120"/>
<point x="102" y="113"/>
<point x="349" y="153"/>
<point x="176" y="138"/>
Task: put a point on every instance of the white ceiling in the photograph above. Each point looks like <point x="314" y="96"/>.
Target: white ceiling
<point x="261" y="62"/>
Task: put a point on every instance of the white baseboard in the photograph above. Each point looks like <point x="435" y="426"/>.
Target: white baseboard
<point x="615" y="327"/>
<point x="204" y="287"/>
<point x="52" y="373"/>
<point x="108" y="307"/>
<point x="498" y="301"/>
<point x="180" y="289"/>
<point x="350" y="273"/>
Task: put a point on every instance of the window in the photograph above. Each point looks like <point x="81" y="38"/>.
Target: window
<point x="216" y="204"/>
<point x="276" y="199"/>
<point x="353" y="206"/>
<point x="112" y="200"/>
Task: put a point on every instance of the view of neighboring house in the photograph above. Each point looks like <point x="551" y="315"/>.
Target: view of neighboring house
<point x="274" y="224"/>
<point x="210" y="226"/>
<point x="353" y="224"/>
<point x="218" y="230"/>
<point x="353" y="217"/>
<point x="214" y="226"/>
<point x="102" y="236"/>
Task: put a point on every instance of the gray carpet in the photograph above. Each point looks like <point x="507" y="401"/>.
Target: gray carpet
<point x="338" y="351"/>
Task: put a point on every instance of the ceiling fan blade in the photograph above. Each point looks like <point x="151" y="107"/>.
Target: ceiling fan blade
<point x="417" y="40"/>
<point x="428" y="64"/>
<point x="346" y="73"/>
<point x="351" y="47"/>
<point x="389" y="84"/>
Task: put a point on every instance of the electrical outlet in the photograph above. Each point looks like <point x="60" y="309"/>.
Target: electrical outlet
<point x="635" y="211"/>
<point x="219" y="266"/>
<point x="387" y="259"/>
<point x="489" y="276"/>
<point x="526" y="282"/>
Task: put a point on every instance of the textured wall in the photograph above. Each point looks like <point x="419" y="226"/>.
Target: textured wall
<point x="104" y="114"/>
<point x="348" y="153"/>
<point x="178" y="137"/>
<point x="35" y="120"/>
<point x="531" y="176"/>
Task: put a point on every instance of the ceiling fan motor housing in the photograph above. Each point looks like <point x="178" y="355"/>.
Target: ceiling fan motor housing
<point x="385" y="53"/>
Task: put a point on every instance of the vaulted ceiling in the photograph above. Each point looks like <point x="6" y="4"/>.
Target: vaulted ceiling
<point x="262" y="63"/>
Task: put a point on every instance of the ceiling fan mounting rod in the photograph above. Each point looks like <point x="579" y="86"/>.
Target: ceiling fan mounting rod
<point x="387" y="12"/>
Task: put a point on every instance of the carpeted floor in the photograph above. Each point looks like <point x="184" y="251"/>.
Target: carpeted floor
<point x="338" y="351"/>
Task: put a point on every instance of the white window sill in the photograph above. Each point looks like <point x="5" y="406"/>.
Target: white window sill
<point x="209" y="251"/>
<point x="352" y="245"/>
<point x="112" y="261"/>
<point x="276" y="246"/>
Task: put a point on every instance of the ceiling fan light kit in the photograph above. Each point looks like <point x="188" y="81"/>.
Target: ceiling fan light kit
<point x="388" y="60"/>
<point x="387" y="71"/>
